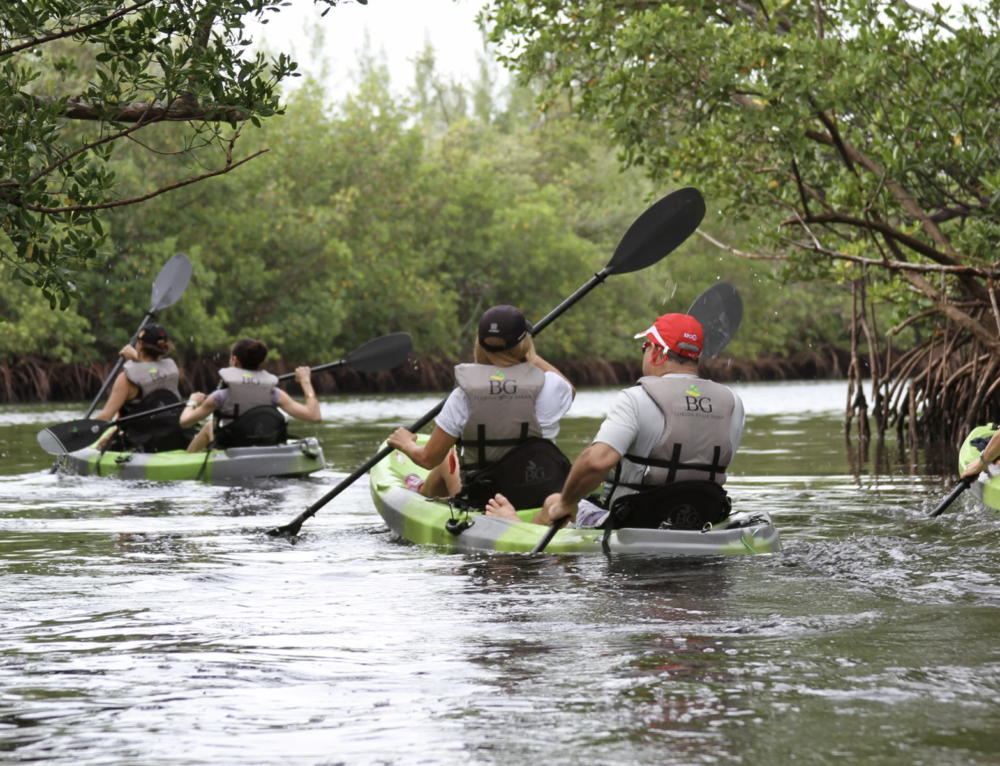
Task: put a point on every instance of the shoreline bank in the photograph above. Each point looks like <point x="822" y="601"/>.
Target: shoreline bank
<point x="37" y="380"/>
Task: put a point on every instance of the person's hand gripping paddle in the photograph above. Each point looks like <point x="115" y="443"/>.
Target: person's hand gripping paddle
<point x="376" y="355"/>
<point x="651" y="237"/>
<point x="719" y="310"/>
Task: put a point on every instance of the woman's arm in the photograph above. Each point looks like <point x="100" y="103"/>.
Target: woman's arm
<point x="544" y="366"/>
<point x="309" y="412"/>
<point x="124" y="390"/>
<point x="204" y="406"/>
<point x="427" y="455"/>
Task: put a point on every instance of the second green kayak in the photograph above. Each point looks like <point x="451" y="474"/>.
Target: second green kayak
<point x="296" y="458"/>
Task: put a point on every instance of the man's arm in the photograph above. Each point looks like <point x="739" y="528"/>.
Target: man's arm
<point x="587" y="474"/>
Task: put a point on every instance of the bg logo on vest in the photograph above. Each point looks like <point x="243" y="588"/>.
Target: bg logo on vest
<point x="696" y="402"/>
<point x="500" y="385"/>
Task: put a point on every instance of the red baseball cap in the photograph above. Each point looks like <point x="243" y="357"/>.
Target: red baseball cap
<point x="680" y="333"/>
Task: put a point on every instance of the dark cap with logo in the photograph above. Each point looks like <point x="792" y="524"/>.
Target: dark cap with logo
<point x="153" y="333"/>
<point x="506" y="323"/>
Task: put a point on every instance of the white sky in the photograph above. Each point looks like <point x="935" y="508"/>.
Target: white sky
<point x="400" y="28"/>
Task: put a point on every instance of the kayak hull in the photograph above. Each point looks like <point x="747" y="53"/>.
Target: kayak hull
<point x="424" y="521"/>
<point x="297" y="458"/>
<point x="987" y="489"/>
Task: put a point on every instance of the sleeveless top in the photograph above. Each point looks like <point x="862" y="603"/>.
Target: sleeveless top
<point x="501" y="411"/>
<point x="150" y="377"/>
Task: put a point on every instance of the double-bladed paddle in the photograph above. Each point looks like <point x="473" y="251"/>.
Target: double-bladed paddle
<point x="650" y="238"/>
<point x="168" y="288"/>
<point x="376" y="355"/>
<point x="719" y="310"/>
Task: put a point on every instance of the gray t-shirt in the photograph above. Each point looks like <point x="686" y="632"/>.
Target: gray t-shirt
<point x="635" y="425"/>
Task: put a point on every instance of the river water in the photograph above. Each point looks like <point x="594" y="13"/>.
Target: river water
<point x="155" y="624"/>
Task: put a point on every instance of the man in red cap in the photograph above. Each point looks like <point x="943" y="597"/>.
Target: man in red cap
<point x="674" y="431"/>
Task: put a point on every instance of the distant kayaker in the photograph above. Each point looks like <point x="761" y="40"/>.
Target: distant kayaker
<point x="148" y="381"/>
<point x="662" y="451"/>
<point x="245" y="405"/>
<point x="504" y="415"/>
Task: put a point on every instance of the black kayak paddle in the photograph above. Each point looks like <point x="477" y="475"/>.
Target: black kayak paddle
<point x="651" y="237"/>
<point x="963" y="485"/>
<point x="376" y="355"/>
<point x="168" y="288"/>
<point x="719" y="310"/>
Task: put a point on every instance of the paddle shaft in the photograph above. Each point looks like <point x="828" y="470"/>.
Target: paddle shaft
<point x="117" y="367"/>
<point x="382" y="454"/>
<point x="963" y="485"/>
<point x="549" y="534"/>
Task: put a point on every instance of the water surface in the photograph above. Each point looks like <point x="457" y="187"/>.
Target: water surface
<point x="155" y="624"/>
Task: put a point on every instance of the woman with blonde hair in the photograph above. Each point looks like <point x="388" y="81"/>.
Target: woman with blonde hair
<point x="507" y="398"/>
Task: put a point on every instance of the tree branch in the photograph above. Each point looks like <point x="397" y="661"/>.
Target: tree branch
<point x="740" y="253"/>
<point x="179" y="110"/>
<point x="120" y="203"/>
<point x="75" y="31"/>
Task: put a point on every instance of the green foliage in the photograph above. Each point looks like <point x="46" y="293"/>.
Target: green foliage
<point x="383" y="215"/>
<point x="131" y="66"/>
<point x="835" y="129"/>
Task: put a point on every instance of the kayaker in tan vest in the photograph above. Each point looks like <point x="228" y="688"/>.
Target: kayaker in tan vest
<point x="508" y="396"/>
<point x="245" y="387"/>
<point x="148" y="381"/>
<point x="673" y="427"/>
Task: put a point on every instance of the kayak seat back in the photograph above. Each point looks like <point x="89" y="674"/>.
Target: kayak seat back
<point x="157" y="433"/>
<point x="525" y="476"/>
<point x="676" y="505"/>
<point x="262" y="426"/>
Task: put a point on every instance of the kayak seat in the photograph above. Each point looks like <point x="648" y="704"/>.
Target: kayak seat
<point x="157" y="433"/>
<point x="525" y="476"/>
<point x="262" y="426"/>
<point x="677" y="505"/>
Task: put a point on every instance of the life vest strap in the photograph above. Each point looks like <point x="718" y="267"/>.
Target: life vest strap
<point x="482" y="443"/>
<point x="674" y="464"/>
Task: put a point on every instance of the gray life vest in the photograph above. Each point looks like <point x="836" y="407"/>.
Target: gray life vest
<point x="695" y="445"/>
<point x="501" y="411"/>
<point x="152" y="376"/>
<point x="247" y="389"/>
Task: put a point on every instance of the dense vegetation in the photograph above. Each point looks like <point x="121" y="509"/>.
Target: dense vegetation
<point x="385" y="213"/>
<point x="862" y="136"/>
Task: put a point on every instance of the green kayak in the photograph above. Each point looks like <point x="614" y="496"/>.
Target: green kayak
<point x="423" y="520"/>
<point x="296" y="458"/>
<point x="987" y="489"/>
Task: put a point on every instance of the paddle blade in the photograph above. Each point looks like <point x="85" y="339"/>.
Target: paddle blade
<point x="70" y="437"/>
<point x="720" y="311"/>
<point x="660" y="230"/>
<point x="381" y="353"/>
<point x="170" y="283"/>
